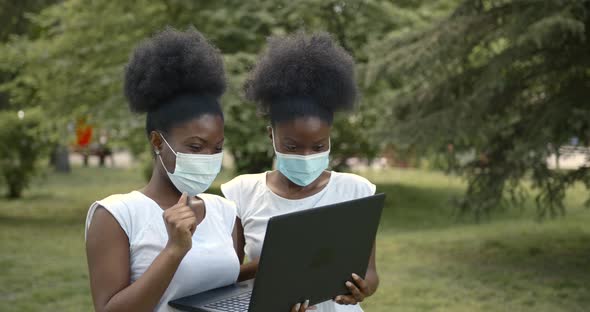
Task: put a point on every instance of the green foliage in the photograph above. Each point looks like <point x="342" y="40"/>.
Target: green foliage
<point x="506" y="79"/>
<point x="349" y="139"/>
<point x="23" y="143"/>
<point x="14" y="17"/>
<point x="74" y="67"/>
<point x="503" y="80"/>
<point x="245" y="130"/>
<point x="14" y="21"/>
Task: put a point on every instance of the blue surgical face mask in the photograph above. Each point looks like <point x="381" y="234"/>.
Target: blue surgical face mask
<point x="193" y="173"/>
<point x="301" y="169"/>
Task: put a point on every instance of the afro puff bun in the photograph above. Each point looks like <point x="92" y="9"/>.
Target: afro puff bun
<point x="300" y="66"/>
<point x="170" y="64"/>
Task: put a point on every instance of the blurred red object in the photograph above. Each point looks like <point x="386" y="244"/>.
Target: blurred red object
<point x="83" y="134"/>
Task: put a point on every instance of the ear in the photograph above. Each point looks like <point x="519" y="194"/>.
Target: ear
<point x="156" y="141"/>
<point x="269" y="129"/>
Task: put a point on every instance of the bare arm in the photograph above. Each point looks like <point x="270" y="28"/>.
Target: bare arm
<point x="239" y="240"/>
<point x="372" y="278"/>
<point x="107" y="249"/>
<point x="247" y="270"/>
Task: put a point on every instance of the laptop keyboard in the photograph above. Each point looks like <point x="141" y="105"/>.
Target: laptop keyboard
<point x="233" y="304"/>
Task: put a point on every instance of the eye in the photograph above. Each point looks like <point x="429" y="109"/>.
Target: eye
<point x="219" y="149"/>
<point x="195" y="148"/>
<point x="290" y="148"/>
<point x="318" y="148"/>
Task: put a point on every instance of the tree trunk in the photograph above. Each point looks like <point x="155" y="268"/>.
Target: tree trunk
<point x="60" y="159"/>
<point x="14" y="191"/>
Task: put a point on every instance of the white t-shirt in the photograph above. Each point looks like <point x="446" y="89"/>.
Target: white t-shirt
<point x="212" y="261"/>
<point x="256" y="203"/>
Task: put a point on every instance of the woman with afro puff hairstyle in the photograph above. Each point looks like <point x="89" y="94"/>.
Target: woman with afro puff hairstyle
<point x="168" y="239"/>
<point x="299" y="82"/>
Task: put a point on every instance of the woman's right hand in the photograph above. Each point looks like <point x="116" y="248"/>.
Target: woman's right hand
<point x="181" y="223"/>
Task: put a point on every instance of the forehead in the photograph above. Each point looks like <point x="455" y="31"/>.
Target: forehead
<point x="303" y="128"/>
<point x="206" y="126"/>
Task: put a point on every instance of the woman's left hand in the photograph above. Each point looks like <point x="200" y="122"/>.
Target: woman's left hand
<point x="359" y="290"/>
<point x="302" y="307"/>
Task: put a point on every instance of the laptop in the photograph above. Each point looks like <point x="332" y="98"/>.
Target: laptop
<point x="306" y="255"/>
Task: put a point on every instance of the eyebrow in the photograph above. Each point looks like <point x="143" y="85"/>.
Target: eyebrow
<point x="203" y="140"/>
<point x="196" y="137"/>
<point x="316" y="142"/>
<point x="321" y="140"/>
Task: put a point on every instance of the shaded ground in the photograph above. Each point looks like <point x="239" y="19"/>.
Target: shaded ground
<point x="427" y="260"/>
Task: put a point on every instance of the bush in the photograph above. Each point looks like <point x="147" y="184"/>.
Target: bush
<point x="23" y="144"/>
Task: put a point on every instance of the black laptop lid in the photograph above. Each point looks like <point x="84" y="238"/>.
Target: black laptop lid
<point x="310" y="254"/>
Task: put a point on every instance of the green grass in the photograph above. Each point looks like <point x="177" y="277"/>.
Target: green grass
<point x="428" y="260"/>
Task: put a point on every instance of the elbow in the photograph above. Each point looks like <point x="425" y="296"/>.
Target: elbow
<point x="101" y="309"/>
<point x="105" y="307"/>
<point x="373" y="279"/>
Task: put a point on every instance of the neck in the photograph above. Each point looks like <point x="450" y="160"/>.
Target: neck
<point x="289" y="185"/>
<point x="280" y="185"/>
<point x="293" y="188"/>
<point x="161" y="189"/>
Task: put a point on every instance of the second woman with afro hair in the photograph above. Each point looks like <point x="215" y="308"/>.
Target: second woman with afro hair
<point x="299" y="83"/>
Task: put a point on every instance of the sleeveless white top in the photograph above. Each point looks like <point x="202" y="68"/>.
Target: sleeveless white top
<point x="256" y="203"/>
<point x="212" y="261"/>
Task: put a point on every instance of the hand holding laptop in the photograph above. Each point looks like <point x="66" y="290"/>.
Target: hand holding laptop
<point x="302" y="307"/>
<point x="359" y="290"/>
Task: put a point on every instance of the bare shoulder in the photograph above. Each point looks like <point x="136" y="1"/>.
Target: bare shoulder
<point x="104" y="227"/>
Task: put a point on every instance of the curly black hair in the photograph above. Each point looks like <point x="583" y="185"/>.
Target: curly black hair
<point x="174" y="76"/>
<point x="301" y="75"/>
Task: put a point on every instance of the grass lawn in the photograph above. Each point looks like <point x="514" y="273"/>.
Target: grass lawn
<point x="427" y="260"/>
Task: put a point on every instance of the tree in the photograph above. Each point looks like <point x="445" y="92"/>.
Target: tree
<point x="24" y="142"/>
<point x="14" y="22"/>
<point x="20" y="164"/>
<point x="507" y="79"/>
<point x="74" y="67"/>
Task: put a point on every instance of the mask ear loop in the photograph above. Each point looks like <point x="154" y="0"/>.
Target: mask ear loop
<point x="273" y="140"/>
<point x="170" y="147"/>
<point x="160" y="156"/>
